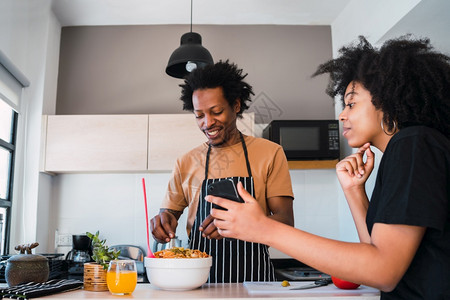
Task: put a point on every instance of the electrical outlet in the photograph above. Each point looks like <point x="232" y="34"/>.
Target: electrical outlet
<point x="64" y="240"/>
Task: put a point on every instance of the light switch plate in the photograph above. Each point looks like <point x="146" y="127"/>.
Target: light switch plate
<point x="64" y="240"/>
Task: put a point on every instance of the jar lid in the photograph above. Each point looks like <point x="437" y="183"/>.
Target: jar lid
<point x="27" y="257"/>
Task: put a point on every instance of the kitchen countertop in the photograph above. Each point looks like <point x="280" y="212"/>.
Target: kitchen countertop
<point x="226" y="291"/>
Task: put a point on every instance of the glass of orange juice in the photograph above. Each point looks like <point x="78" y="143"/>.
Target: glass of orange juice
<point x="121" y="277"/>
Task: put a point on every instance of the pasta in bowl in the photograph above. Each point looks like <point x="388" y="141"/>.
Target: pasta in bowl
<point x="180" y="252"/>
<point x="178" y="269"/>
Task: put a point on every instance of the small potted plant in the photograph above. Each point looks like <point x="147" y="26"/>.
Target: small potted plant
<point x="95" y="272"/>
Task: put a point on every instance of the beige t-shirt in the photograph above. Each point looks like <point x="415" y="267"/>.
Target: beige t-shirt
<point x="268" y="164"/>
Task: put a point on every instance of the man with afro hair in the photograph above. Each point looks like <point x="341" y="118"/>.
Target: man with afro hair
<point x="218" y="95"/>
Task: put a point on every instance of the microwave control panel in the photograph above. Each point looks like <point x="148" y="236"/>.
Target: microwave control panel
<point x="333" y="139"/>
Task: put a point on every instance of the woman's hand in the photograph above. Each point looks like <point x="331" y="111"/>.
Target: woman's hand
<point x="244" y="221"/>
<point x="352" y="171"/>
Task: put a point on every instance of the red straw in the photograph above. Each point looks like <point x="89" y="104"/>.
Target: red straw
<point x="149" y="252"/>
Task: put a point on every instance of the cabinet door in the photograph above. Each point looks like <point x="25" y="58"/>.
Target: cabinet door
<point x="96" y="143"/>
<point x="172" y="135"/>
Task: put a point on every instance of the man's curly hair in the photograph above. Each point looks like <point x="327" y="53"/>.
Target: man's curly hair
<point x="408" y="80"/>
<point x="222" y="74"/>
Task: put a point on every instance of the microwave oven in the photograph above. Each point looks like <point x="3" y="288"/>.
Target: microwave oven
<point x="305" y="139"/>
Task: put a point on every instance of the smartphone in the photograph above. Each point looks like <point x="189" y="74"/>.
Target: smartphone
<point x="225" y="189"/>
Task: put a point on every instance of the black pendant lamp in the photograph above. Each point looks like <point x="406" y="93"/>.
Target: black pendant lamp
<point x="189" y="56"/>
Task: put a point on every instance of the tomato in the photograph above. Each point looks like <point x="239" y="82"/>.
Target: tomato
<point x="345" y="285"/>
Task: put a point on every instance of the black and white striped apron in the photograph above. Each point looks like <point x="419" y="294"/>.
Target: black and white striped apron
<point x="233" y="260"/>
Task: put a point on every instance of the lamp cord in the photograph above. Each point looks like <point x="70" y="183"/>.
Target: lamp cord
<point x="191" y="15"/>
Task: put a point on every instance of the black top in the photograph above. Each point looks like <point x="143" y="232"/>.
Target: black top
<point x="413" y="188"/>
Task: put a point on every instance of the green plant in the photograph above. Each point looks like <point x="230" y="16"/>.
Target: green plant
<point x="100" y="252"/>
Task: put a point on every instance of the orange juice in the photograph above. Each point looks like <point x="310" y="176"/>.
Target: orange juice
<point x="121" y="282"/>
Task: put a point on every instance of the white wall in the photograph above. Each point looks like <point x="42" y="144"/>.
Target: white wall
<point x="427" y="19"/>
<point x="29" y="38"/>
<point x="378" y="21"/>
<point x="114" y="204"/>
<point x="110" y="203"/>
<point x="371" y="19"/>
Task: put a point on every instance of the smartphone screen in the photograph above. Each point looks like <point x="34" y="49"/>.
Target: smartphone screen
<point x="224" y="189"/>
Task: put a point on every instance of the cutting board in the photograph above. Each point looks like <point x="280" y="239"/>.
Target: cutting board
<point x="260" y="288"/>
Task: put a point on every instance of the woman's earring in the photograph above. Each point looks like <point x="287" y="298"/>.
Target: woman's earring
<point x="389" y="133"/>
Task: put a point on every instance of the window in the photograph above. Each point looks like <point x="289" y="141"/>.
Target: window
<point x="8" y="125"/>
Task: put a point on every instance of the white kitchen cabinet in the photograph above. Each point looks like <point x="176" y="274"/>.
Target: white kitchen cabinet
<point x="121" y="143"/>
<point x="96" y="143"/>
<point x="171" y="135"/>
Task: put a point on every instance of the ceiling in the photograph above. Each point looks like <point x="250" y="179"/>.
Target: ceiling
<point x="221" y="12"/>
<point x="427" y="19"/>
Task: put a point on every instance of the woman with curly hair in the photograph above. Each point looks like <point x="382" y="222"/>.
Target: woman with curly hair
<point x="397" y="99"/>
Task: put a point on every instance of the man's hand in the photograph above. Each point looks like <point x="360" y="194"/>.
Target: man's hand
<point x="209" y="229"/>
<point x="164" y="225"/>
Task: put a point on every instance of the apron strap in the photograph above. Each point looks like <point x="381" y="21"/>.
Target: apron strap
<point x="249" y="170"/>
<point x="207" y="161"/>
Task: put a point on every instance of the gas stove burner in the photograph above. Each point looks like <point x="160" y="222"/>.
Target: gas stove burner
<point x="299" y="274"/>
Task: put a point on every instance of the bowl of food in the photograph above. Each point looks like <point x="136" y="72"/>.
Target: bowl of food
<point x="178" y="269"/>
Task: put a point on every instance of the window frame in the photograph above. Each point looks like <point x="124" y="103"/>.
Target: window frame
<point x="7" y="203"/>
